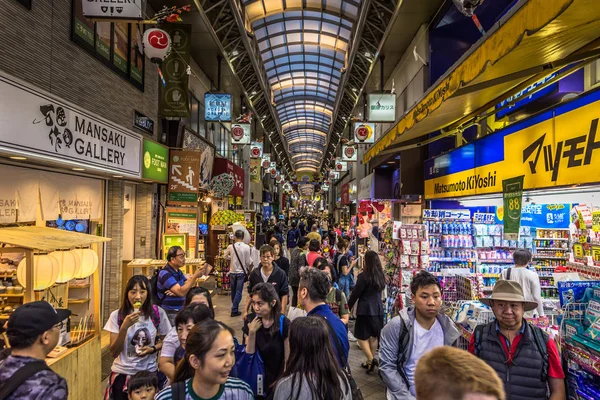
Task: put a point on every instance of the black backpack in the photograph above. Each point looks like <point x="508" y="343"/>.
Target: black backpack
<point x="292" y="238"/>
<point x="154" y="286"/>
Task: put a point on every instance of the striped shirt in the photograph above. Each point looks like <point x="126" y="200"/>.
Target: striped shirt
<point x="233" y="389"/>
<point x="167" y="278"/>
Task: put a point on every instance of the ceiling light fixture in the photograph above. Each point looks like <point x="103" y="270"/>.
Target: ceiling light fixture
<point x="78" y="169"/>
<point x="234" y="52"/>
<point x="117" y="176"/>
<point x="18" y="158"/>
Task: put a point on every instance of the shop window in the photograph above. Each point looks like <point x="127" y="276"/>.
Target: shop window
<point x="116" y="44"/>
<point x="196" y="120"/>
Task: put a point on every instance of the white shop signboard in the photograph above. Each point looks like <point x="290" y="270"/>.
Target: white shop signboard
<point x="36" y="123"/>
<point x="365" y="191"/>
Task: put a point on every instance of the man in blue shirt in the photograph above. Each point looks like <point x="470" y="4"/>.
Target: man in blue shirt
<point x="172" y="284"/>
<point x="312" y="295"/>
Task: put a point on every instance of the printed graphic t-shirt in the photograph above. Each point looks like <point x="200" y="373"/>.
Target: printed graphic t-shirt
<point x="233" y="389"/>
<point x="142" y="333"/>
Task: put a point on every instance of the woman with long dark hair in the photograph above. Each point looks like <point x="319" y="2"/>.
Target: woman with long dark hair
<point x="204" y="372"/>
<point x="279" y="259"/>
<point x="266" y="330"/>
<point x="312" y="372"/>
<point x="136" y="330"/>
<point x="369" y="314"/>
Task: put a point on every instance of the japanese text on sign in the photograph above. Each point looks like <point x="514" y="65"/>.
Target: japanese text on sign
<point x="462" y="215"/>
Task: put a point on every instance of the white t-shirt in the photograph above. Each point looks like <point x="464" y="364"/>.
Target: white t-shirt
<point x="530" y="282"/>
<point x="243" y="250"/>
<point x="140" y="334"/>
<point x="170" y="343"/>
<point x="424" y="341"/>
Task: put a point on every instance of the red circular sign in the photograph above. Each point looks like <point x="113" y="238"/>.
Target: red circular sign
<point x="158" y="39"/>
<point x="266" y="163"/>
<point x="349" y="151"/>
<point x="255" y="151"/>
<point x="237" y="132"/>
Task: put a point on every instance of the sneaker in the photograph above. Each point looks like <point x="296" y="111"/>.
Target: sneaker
<point x="236" y="314"/>
<point x="351" y="337"/>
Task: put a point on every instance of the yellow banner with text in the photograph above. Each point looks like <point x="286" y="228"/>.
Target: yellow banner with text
<point x="559" y="151"/>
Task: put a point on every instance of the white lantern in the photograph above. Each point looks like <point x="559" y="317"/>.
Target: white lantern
<point x="157" y="44"/>
<point x="69" y="264"/>
<point x="89" y="262"/>
<point x="45" y="272"/>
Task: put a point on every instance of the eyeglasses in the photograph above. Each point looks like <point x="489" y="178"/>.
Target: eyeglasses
<point x="182" y="255"/>
<point x="59" y="325"/>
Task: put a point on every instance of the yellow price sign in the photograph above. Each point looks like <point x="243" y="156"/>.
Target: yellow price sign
<point x="578" y="250"/>
<point x="596" y="253"/>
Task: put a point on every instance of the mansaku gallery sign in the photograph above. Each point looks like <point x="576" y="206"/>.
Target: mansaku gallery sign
<point x="37" y="123"/>
<point x="556" y="148"/>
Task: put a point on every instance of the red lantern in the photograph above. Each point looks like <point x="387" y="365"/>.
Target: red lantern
<point x="157" y="44"/>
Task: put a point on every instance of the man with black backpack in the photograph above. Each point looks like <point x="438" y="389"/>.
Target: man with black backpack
<point x="292" y="238"/>
<point x="523" y="355"/>
<point x="33" y="331"/>
<point x="410" y="335"/>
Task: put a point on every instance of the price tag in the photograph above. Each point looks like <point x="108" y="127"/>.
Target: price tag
<point x="578" y="250"/>
<point x="596" y="253"/>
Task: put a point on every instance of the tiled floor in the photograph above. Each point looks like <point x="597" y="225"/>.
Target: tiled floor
<point x="371" y="386"/>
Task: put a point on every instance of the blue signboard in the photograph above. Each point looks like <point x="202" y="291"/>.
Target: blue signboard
<point x="522" y="98"/>
<point x="267" y="211"/>
<point x="544" y="216"/>
<point x="217" y="107"/>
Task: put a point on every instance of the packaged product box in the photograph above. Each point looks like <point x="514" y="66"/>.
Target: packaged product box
<point x="575" y="291"/>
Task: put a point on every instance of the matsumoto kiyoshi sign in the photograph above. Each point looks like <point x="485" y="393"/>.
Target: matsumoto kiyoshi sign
<point x="560" y="147"/>
<point x="36" y="123"/>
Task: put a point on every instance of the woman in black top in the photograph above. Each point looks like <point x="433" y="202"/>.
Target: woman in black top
<point x="369" y="314"/>
<point x="281" y="261"/>
<point x="266" y="330"/>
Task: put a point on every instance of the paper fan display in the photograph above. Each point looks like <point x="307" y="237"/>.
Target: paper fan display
<point x="222" y="184"/>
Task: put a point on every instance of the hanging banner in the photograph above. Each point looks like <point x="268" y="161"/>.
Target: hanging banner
<point x="382" y="108"/>
<point x="364" y="132"/>
<point x="349" y="153"/>
<point x="173" y="96"/>
<point x="266" y="160"/>
<point x="183" y="177"/>
<point x="217" y="107"/>
<point x="341" y="166"/>
<point x="224" y="166"/>
<point x="240" y="133"/>
<point x="19" y="188"/>
<point x="346" y="193"/>
<point x="71" y="197"/>
<point x="207" y="156"/>
<point x="255" y="169"/>
<point x="256" y="149"/>
<point x="512" y="194"/>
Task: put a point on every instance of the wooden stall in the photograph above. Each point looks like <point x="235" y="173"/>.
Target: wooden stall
<point x="78" y="358"/>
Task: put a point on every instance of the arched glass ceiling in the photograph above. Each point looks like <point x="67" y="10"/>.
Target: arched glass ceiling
<point x="303" y="46"/>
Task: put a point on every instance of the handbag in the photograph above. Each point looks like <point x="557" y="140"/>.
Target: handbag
<point x="241" y="263"/>
<point x="250" y="368"/>
<point x="356" y="393"/>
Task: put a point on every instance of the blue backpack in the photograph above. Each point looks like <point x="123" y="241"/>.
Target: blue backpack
<point x="292" y="238"/>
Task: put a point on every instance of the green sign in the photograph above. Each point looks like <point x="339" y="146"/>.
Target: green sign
<point x="173" y="239"/>
<point x="512" y="193"/>
<point x="173" y="95"/>
<point x="155" y="162"/>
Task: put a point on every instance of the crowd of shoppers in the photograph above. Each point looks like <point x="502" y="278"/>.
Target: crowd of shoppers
<point x="169" y="346"/>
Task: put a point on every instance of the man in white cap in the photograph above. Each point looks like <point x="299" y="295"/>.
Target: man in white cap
<point x="523" y="355"/>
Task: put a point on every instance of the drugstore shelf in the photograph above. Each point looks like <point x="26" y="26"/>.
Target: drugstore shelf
<point x="539" y="257"/>
<point x="553" y="248"/>
<point x="450" y="259"/>
<point x="561" y="239"/>
<point x="496" y="261"/>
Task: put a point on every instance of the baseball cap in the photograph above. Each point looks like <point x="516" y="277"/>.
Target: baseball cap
<point x="33" y="319"/>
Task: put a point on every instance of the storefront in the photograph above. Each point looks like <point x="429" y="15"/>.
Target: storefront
<point x="72" y="175"/>
<point x="468" y="221"/>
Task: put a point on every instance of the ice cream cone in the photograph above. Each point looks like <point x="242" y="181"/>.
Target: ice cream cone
<point x="136" y="306"/>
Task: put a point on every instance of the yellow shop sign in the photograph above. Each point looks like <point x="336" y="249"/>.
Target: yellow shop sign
<point x="557" y="148"/>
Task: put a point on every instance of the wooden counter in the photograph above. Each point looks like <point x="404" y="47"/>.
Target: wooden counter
<point x="81" y="367"/>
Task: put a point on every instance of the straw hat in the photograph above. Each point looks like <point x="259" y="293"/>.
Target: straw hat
<point x="510" y="291"/>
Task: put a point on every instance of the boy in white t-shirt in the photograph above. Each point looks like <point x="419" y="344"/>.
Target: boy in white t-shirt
<point x="407" y="337"/>
<point x="529" y="280"/>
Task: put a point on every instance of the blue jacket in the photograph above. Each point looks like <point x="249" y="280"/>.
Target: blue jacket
<point x="338" y="327"/>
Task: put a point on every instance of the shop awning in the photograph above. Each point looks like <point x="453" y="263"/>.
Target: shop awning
<point x="46" y="239"/>
<point x="532" y="37"/>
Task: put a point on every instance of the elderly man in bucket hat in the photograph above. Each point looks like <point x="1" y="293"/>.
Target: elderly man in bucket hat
<point x="523" y="355"/>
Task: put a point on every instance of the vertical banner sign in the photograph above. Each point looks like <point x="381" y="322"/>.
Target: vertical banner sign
<point x="184" y="177"/>
<point x="255" y="170"/>
<point x="512" y="193"/>
<point x="173" y="97"/>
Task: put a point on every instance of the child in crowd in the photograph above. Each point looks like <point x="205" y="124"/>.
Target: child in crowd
<point x="142" y="386"/>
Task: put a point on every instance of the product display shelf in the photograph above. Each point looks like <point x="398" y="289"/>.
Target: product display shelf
<point x="222" y="264"/>
<point x="551" y="248"/>
<point x="450" y="244"/>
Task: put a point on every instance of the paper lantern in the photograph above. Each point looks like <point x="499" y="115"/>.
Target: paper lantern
<point x="45" y="272"/>
<point x="69" y="265"/>
<point x="89" y="262"/>
<point x="157" y="44"/>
